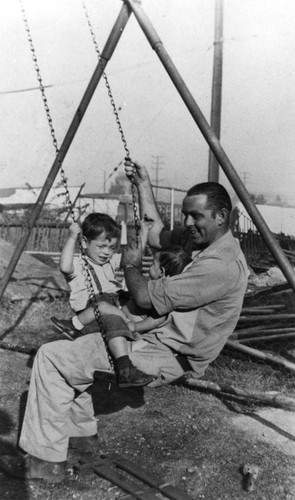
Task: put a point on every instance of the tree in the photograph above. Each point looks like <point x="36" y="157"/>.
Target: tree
<point x="121" y="185"/>
<point x="278" y="201"/>
<point x="258" y="199"/>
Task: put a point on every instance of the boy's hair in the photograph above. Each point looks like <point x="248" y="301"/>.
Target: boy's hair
<point x="174" y="259"/>
<point x="95" y="224"/>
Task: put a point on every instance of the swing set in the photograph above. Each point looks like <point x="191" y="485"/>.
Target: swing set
<point x="134" y="7"/>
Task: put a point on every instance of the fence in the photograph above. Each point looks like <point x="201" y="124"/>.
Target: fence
<point x="50" y="237"/>
<point x="256" y="251"/>
<point x="47" y="237"/>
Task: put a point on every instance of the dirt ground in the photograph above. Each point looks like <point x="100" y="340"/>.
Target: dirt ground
<point x="188" y="438"/>
<point x="185" y="437"/>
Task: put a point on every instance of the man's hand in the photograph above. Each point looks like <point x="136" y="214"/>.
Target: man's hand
<point x="131" y="326"/>
<point x="132" y="255"/>
<point x="136" y="172"/>
<point x="74" y="230"/>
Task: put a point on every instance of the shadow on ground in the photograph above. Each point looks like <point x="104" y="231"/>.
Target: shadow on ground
<point x="109" y="398"/>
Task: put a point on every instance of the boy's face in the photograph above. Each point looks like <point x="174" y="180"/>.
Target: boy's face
<point x="101" y="249"/>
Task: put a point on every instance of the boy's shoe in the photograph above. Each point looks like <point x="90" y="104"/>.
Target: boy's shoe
<point x="130" y="376"/>
<point x="66" y="327"/>
<point x="29" y="467"/>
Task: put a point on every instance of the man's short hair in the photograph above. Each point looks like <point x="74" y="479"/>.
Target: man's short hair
<point x="96" y="223"/>
<point x="217" y="196"/>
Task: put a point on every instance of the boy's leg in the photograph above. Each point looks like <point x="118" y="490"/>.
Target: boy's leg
<point x="118" y="347"/>
<point x="117" y="333"/>
<point x="85" y="317"/>
<point x="74" y="327"/>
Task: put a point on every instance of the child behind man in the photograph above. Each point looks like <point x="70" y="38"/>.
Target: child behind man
<point x="118" y="327"/>
<point x="169" y="261"/>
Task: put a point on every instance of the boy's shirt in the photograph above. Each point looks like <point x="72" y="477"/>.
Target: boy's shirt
<point x="79" y="294"/>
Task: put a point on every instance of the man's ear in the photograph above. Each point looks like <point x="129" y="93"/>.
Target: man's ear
<point x="84" y="242"/>
<point x="163" y="272"/>
<point x="222" y="216"/>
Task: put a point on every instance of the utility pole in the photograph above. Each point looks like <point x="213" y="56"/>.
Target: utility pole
<point x="213" y="169"/>
<point x="104" y="181"/>
<point x="245" y="177"/>
<point x="157" y="162"/>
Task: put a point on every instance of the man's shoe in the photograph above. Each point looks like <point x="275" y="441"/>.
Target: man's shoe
<point x="29" y="467"/>
<point x="66" y="327"/>
<point x="84" y="444"/>
<point x="130" y="376"/>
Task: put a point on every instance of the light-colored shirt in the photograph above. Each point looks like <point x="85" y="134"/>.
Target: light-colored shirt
<point x="204" y="302"/>
<point x="79" y="294"/>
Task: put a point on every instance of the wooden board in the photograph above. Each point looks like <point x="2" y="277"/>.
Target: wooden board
<point x="137" y="482"/>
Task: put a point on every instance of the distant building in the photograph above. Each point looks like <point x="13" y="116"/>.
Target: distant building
<point x="16" y="201"/>
<point x="20" y="199"/>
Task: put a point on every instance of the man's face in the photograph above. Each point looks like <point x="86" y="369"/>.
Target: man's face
<point x="203" y="226"/>
<point x="101" y="249"/>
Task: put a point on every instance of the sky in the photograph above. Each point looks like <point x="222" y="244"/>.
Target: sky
<point x="258" y="92"/>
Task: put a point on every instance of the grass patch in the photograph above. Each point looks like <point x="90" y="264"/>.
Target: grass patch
<point x="27" y="324"/>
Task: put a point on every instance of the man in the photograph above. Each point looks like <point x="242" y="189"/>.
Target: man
<point x="202" y="305"/>
<point x="211" y="291"/>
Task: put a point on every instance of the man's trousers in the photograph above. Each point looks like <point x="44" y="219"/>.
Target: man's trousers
<point x="59" y="405"/>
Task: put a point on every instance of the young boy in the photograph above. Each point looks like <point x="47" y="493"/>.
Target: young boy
<point x="99" y="241"/>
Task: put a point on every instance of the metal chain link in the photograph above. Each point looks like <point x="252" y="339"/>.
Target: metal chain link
<point x="118" y="121"/>
<point x="86" y="271"/>
<point x="47" y="110"/>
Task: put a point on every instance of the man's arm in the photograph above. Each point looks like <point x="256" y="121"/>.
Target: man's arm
<point x="135" y="281"/>
<point x="145" y="325"/>
<point x="138" y="174"/>
<point x="137" y="286"/>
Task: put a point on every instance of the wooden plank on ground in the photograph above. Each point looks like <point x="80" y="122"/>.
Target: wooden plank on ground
<point x="146" y="487"/>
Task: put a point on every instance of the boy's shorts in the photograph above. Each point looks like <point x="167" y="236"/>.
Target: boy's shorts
<point x="112" y="324"/>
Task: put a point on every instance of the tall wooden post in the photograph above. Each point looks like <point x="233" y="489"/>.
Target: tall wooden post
<point x="216" y="95"/>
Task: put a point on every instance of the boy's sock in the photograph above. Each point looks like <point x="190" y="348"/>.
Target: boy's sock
<point x="122" y="362"/>
<point x="77" y="323"/>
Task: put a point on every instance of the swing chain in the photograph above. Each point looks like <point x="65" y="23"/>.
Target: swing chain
<point x="86" y="271"/>
<point x="94" y="305"/>
<point x="47" y="110"/>
<point x="118" y="121"/>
